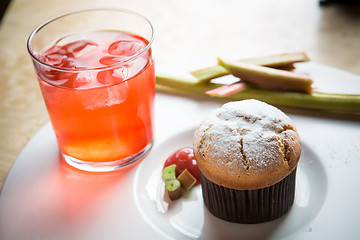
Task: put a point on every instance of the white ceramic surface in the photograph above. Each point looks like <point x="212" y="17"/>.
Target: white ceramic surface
<point x="43" y="198"/>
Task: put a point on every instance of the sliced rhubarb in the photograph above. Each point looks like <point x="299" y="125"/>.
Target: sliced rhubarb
<point x="175" y="80"/>
<point x="206" y="74"/>
<point x="173" y="188"/>
<point x="265" y="77"/>
<point x="280" y="61"/>
<point x="187" y="180"/>
<point x="321" y="101"/>
<point x="227" y="90"/>
<point x="169" y="173"/>
<point x="283" y="61"/>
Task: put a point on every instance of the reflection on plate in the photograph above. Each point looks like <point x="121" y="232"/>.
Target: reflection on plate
<point x="188" y="218"/>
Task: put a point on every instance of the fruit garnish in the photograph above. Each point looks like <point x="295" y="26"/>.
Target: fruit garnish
<point x="173" y="187"/>
<point x="169" y="173"/>
<point x="187" y="180"/>
<point x="184" y="159"/>
<point x="180" y="172"/>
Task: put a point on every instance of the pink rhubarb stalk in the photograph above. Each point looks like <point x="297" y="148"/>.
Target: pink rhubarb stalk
<point x="227" y="90"/>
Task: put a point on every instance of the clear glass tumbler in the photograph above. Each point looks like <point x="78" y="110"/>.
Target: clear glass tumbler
<point x="97" y="78"/>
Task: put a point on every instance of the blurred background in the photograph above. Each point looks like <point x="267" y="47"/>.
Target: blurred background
<point x="186" y="32"/>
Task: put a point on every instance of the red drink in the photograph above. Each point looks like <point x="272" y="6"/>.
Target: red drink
<point x="100" y="101"/>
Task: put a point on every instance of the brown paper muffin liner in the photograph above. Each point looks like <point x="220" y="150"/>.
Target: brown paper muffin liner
<point x="249" y="206"/>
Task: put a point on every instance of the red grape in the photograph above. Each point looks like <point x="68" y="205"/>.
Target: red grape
<point x="184" y="159"/>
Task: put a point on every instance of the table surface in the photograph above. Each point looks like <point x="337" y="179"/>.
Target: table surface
<point x="186" y="31"/>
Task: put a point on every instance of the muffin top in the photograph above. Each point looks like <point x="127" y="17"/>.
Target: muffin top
<point x="246" y="145"/>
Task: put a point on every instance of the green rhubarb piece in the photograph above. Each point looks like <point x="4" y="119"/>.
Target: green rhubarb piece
<point x="173" y="187"/>
<point x="283" y="61"/>
<point x="174" y="81"/>
<point x="265" y="77"/>
<point x="279" y="61"/>
<point x="187" y="180"/>
<point x="206" y="74"/>
<point x="339" y="103"/>
<point x="169" y="173"/>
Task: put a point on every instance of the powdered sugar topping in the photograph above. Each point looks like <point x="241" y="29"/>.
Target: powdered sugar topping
<point x="246" y="134"/>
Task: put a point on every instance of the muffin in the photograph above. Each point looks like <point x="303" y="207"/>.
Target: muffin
<point x="247" y="152"/>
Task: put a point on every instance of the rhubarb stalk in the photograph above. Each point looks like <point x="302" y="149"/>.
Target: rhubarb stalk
<point x="319" y="101"/>
<point x="227" y="90"/>
<point x="281" y="61"/>
<point x="265" y="77"/>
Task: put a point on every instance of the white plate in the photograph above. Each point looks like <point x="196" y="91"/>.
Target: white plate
<point x="43" y="198"/>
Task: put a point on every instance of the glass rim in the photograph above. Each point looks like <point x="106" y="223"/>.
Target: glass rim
<point x="123" y="10"/>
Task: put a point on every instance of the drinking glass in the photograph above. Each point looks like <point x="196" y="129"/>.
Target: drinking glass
<point x="97" y="78"/>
